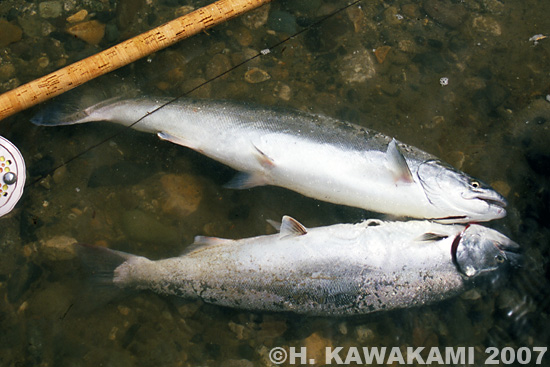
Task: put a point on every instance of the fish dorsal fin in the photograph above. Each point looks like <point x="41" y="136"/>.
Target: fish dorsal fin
<point x="274" y="224"/>
<point x="291" y="227"/>
<point x="397" y="163"/>
<point x="202" y="242"/>
<point x="431" y="237"/>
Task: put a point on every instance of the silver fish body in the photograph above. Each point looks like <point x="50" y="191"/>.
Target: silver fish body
<point x="317" y="156"/>
<point x="343" y="269"/>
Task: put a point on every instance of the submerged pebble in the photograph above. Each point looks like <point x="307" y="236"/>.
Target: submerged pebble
<point x="91" y="32"/>
<point x="486" y="25"/>
<point x="78" y="16"/>
<point x="357" y="67"/>
<point x="446" y="12"/>
<point x="183" y="194"/>
<point x="218" y="64"/>
<point x="281" y="21"/>
<point x="31" y="25"/>
<point x="50" y="9"/>
<point x="381" y="53"/>
<point x="364" y="333"/>
<point x="9" y="33"/>
<point x="256" y="75"/>
<point x="357" y="17"/>
<point x="58" y="248"/>
<point x="316" y="346"/>
<point x="7" y="71"/>
<point x="59" y="174"/>
<point x="256" y="18"/>
<point x="283" y="91"/>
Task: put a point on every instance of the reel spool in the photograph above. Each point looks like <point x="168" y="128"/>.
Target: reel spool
<point x="12" y="176"/>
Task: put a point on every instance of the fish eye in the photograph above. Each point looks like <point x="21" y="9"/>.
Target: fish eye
<point x="500" y="258"/>
<point x="475" y="184"/>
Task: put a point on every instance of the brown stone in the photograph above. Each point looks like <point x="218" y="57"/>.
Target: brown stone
<point x="184" y="194"/>
<point x="316" y="348"/>
<point x="381" y="53"/>
<point x="78" y="17"/>
<point x="9" y="33"/>
<point x="91" y="32"/>
<point x="256" y="75"/>
<point x="58" y="248"/>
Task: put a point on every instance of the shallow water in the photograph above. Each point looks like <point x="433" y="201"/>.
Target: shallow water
<point x="491" y="119"/>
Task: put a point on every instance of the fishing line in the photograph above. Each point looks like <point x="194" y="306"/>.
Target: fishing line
<point x="263" y="52"/>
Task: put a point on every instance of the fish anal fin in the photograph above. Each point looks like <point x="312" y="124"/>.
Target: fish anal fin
<point x="431" y="237"/>
<point x="397" y="163"/>
<point x="291" y="227"/>
<point x="243" y="180"/>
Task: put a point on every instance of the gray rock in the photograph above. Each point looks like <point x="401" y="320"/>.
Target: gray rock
<point x="219" y="64"/>
<point x="446" y="13"/>
<point x="281" y="21"/>
<point x="486" y="25"/>
<point x="50" y="9"/>
<point x="256" y="18"/>
<point x="7" y="71"/>
<point x="357" y="67"/>
<point x="31" y="25"/>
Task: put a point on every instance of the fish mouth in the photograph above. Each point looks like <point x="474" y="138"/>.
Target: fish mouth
<point x="491" y="201"/>
<point x="513" y="252"/>
<point x="494" y="201"/>
<point x="451" y="219"/>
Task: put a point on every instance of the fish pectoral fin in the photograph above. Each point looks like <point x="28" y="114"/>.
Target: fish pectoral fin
<point x="176" y="140"/>
<point x="244" y="180"/>
<point x="291" y="227"/>
<point x="202" y="242"/>
<point x="397" y="163"/>
<point x="431" y="237"/>
<point x="263" y="158"/>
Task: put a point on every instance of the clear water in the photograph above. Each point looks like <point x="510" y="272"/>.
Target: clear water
<point x="491" y="120"/>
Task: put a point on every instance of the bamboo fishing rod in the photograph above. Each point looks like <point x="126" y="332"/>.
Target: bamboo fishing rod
<point x="122" y="54"/>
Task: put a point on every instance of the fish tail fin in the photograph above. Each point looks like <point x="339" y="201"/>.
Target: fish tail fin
<point x="82" y="105"/>
<point x="99" y="265"/>
<point x="101" y="262"/>
<point x="65" y="112"/>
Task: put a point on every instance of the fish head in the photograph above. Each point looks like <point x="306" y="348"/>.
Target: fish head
<point x="479" y="250"/>
<point x="463" y="198"/>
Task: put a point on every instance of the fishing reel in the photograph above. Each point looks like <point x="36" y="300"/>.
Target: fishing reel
<point x="12" y="176"/>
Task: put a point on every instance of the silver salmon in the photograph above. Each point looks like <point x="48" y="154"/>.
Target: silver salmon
<point x="337" y="270"/>
<point x="316" y="156"/>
